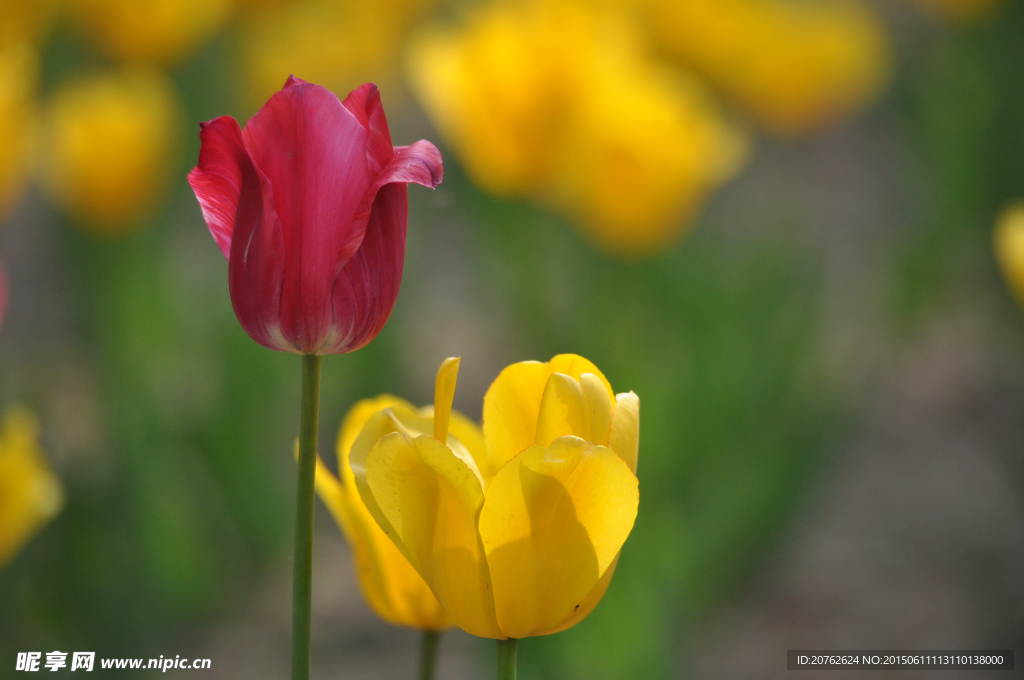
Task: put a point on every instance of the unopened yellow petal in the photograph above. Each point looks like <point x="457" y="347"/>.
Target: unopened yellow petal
<point x="575" y="366"/>
<point x="625" y="434"/>
<point x="427" y="500"/>
<point x="599" y="408"/>
<point x="563" y="411"/>
<point x="30" y="494"/>
<point x="512" y="404"/>
<point x="444" y="394"/>
<point x="553" y="522"/>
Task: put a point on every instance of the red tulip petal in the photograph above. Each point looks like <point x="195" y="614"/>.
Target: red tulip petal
<point x="312" y="150"/>
<point x="255" y="266"/>
<point x="419" y="163"/>
<point x="367" y="288"/>
<point x="364" y="103"/>
<point x="292" y="80"/>
<point x="217" y="179"/>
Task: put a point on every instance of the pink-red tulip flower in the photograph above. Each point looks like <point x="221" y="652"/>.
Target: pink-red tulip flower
<point x="309" y="205"/>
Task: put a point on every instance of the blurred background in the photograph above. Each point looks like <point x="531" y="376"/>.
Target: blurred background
<point x="772" y="219"/>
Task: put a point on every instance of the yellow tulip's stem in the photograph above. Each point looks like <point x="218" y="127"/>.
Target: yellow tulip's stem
<point x="428" y="654"/>
<point x="302" y="574"/>
<point x="507" y="659"/>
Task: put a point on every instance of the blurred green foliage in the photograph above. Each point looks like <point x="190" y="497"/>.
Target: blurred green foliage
<point x="961" y="107"/>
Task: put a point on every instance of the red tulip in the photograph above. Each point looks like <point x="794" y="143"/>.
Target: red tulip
<point x="309" y="205"/>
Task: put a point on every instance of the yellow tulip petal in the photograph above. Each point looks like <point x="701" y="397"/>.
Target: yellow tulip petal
<point x="353" y="424"/>
<point x="466" y="431"/>
<point x="563" y="411"/>
<point x="392" y="588"/>
<point x="574" y="366"/>
<point x="444" y="394"/>
<point x="599" y="408"/>
<point x="625" y="435"/>
<point x="427" y="500"/>
<point x="553" y="521"/>
<point x="512" y="404"/>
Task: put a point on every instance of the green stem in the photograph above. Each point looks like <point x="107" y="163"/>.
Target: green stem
<point x="507" y="659"/>
<point x="428" y="654"/>
<point x="302" y="574"/>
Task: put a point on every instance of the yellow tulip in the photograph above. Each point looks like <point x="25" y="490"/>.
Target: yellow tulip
<point x="109" y="147"/>
<point x="30" y="494"/>
<point x="337" y="43"/>
<point x="519" y="537"/>
<point x="160" y="30"/>
<point x="796" y="66"/>
<point x="1008" y="240"/>
<point x="646" y="148"/>
<point x="557" y="103"/>
<point x="17" y="121"/>
<point x="389" y="583"/>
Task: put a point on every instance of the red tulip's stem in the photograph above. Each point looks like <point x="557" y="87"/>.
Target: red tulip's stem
<point x="302" y="574"/>
<point x="507" y="659"/>
<point x="428" y="654"/>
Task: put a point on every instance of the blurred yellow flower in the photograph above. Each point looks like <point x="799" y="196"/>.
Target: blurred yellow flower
<point x="157" y="30"/>
<point x="796" y="66"/>
<point x="1008" y="240"/>
<point x="17" y="121"/>
<point x="557" y="103"/>
<point x="337" y="43"/>
<point x="519" y="537"/>
<point x="962" y="10"/>
<point x="389" y="583"/>
<point x="30" y="494"/>
<point x="25" y="20"/>
<point x="645" y="149"/>
<point x="110" y="144"/>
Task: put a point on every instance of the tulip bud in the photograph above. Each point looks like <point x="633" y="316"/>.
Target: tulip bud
<point x="309" y="205"/>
